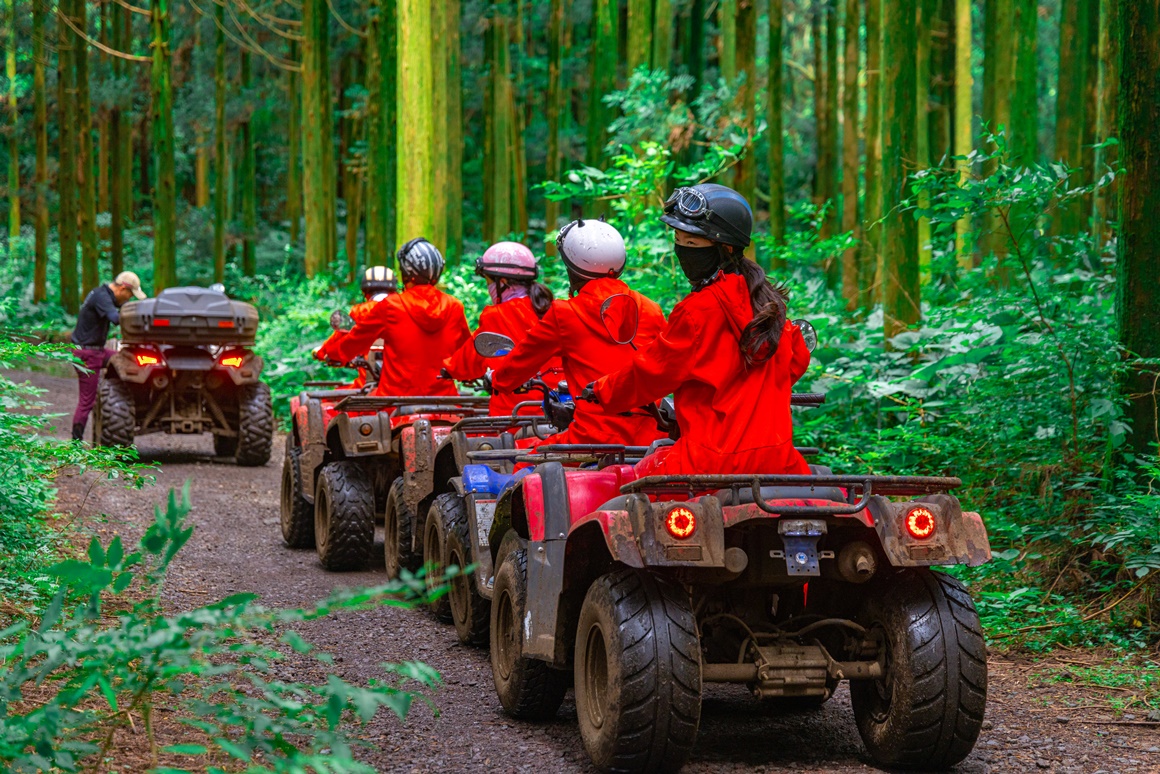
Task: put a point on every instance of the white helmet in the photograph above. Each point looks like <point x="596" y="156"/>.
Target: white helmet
<point x="591" y="249"/>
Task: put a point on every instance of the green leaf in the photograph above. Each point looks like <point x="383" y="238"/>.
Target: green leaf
<point x="186" y="749"/>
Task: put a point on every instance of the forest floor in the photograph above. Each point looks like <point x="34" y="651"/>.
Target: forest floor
<point x="1034" y="721"/>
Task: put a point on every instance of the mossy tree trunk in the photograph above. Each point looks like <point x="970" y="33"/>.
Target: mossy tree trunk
<point x="454" y="151"/>
<point x="221" y="158"/>
<point x="640" y="28"/>
<point x="1107" y="126"/>
<point x="14" y="129"/>
<point x="662" y="35"/>
<point x="380" y="188"/>
<point x="871" y="260"/>
<point x="1024" y="132"/>
<point x="125" y="168"/>
<point x="40" y="130"/>
<point x="963" y="114"/>
<point x="605" y="22"/>
<point x="851" y="290"/>
<point x="922" y="72"/>
<point x="1069" y="103"/>
<point x="774" y="120"/>
<point x="119" y="152"/>
<point x="317" y="131"/>
<point x="833" y="155"/>
<point x="248" y="174"/>
<point x="66" y="154"/>
<point x="499" y="168"/>
<point x="556" y="102"/>
<point x="440" y="122"/>
<point x="745" y="175"/>
<point x="85" y="171"/>
<point x="294" y="147"/>
<point x="164" y="177"/>
<point x="413" y="192"/>
<point x="1138" y="269"/>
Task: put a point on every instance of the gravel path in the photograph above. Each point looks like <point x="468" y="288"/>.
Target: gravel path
<point x="237" y="547"/>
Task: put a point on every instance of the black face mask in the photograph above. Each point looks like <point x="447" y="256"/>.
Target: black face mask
<point x="698" y="263"/>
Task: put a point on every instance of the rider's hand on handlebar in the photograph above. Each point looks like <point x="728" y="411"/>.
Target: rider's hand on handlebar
<point x="444" y="374"/>
<point x="589" y="393"/>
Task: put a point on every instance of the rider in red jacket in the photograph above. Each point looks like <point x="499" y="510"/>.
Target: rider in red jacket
<point x="517" y="303"/>
<point x="419" y="327"/>
<point x="378" y="283"/>
<point x="728" y="354"/>
<point x="594" y="255"/>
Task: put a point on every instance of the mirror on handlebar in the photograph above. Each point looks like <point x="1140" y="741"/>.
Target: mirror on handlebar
<point x="621" y="317"/>
<point x="341" y="321"/>
<point x="808" y="333"/>
<point x="489" y="344"/>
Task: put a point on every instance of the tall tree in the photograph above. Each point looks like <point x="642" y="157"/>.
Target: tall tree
<point x="922" y="72"/>
<point x="1109" y="80"/>
<point x="440" y="121"/>
<point x="745" y="176"/>
<point x="86" y="183"/>
<point x="901" y="291"/>
<point x="453" y="212"/>
<point x="871" y="260"/>
<point x="833" y="157"/>
<point x="662" y="35"/>
<point x="103" y="118"/>
<point x="40" y="130"/>
<point x="317" y="145"/>
<point x="1138" y="269"/>
<point x="14" y="129"/>
<point x="850" y="263"/>
<point x="164" y="177"/>
<point x="294" y="145"/>
<point x="694" y="54"/>
<point x="774" y="131"/>
<point x="380" y="188"/>
<point x="248" y="182"/>
<point x="118" y="146"/>
<point x="556" y="102"/>
<point x="640" y="28"/>
<point x="1069" y="103"/>
<point x="499" y="157"/>
<point x="727" y="42"/>
<point x="963" y="113"/>
<point x="998" y="85"/>
<point x="200" y="143"/>
<point x="66" y="165"/>
<point x="414" y="214"/>
<point x="125" y="168"/>
<point x="605" y="16"/>
<point x="221" y="160"/>
<point x="1024" y="132"/>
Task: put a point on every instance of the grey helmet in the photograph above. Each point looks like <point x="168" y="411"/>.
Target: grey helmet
<point x="420" y="262"/>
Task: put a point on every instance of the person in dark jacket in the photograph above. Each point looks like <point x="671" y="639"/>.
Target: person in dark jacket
<point x="100" y="310"/>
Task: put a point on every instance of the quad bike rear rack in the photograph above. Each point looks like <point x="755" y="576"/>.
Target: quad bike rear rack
<point x="858" y="489"/>
<point x="445" y="404"/>
<point x="489" y="423"/>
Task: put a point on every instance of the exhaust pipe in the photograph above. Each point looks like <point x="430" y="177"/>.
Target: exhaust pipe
<point x="857" y="562"/>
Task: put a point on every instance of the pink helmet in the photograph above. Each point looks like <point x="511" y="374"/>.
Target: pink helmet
<point x="507" y="260"/>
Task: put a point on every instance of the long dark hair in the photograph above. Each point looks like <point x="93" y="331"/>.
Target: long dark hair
<point x="540" y="294"/>
<point x="761" y="336"/>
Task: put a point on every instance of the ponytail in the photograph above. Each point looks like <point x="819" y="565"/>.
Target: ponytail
<point x="761" y="336"/>
<point x="542" y="298"/>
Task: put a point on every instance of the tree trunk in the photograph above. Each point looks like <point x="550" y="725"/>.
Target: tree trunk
<point x="727" y="45"/>
<point x="500" y="170"/>
<point x="66" y="185"/>
<point x="120" y="180"/>
<point x="1091" y="100"/>
<point x="103" y="120"/>
<point x="14" y="129"/>
<point x="380" y="187"/>
<point x="1069" y="104"/>
<point x="1109" y="78"/>
<point x="695" y="44"/>
<point x="817" y="36"/>
<point x="662" y="32"/>
<point x="221" y="181"/>
<point x="1024" y="134"/>
<point x="923" y="31"/>
<point x="519" y="124"/>
<point x="125" y="169"/>
<point x="850" y="286"/>
<point x="963" y="113"/>
<point x="40" y="129"/>
<point x="605" y="20"/>
<point x="774" y="132"/>
<point x="248" y="182"/>
<point x="294" y="147"/>
<point x="999" y="79"/>
<point x="640" y="27"/>
<point x="414" y="192"/>
<point x="556" y="101"/>
<point x="440" y="122"/>
<point x="871" y="262"/>
<point x="86" y="183"/>
<point x="201" y="159"/>
<point x="833" y="157"/>
<point x="901" y="291"/>
<point x="164" y="178"/>
<point x="317" y="149"/>
<point x="745" y="176"/>
<point x="454" y="209"/>
<point x="1138" y="262"/>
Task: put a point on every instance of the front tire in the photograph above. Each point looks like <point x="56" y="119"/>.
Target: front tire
<point x="528" y="689"/>
<point x="255" y="425"/>
<point x="297" y="514"/>
<point x="344" y="517"/>
<point x="470" y="612"/>
<point x="638" y="673"/>
<point x="927" y="710"/>
<point x="434" y="541"/>
<point x="398" y="523"/>
<point x="116" y="416"/>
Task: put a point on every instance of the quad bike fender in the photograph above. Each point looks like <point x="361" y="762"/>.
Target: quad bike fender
<point x="546" y="502"/>
<point x="959" y="538"/>
<point x="249" y="372"/>
<point x="124" y="365"/>
<point x="312" y="436"/>
<point x="363" y="435"/>
<point x="419" y="444"/>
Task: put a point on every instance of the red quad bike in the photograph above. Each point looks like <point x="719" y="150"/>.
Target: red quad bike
<point x="185" y="366"/>
<point x="646" y="589"/>
<point x="352" y="457"/>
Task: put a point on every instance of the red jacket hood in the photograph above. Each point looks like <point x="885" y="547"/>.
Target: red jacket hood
<point x="586" y="304"/>
<point x="429" y="307"/>
<point x="732" y="294"/>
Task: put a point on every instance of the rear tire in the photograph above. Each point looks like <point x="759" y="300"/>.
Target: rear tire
<point x="116" y="414"/>
<point x="255" y="425"/>
<point x="927" y="710"/>
<point x="470" y="612"/>
<point x="398" y="523"/>
<point x="434" y="542"/>
<point x="297" y="512"/>
<point x="638" y="673"/>
<point x="528" y="689"/>
<point x="225" y="445"/>
<point x="344" y="517"/>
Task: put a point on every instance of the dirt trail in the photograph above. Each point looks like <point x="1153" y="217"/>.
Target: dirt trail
<point x="237" y="547"/>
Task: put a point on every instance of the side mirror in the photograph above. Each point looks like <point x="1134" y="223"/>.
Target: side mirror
<point x="489" y="344"/>
<point x="340" y="321"/>
<point x="808" y="333"/>
<point x="621" y="318"/>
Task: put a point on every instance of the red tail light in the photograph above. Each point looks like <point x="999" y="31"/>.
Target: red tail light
<point x="920" y="523"/>
<point x="232" y="361"/>
<point x="160" y="323"/>
<point x="681" y="522"/>
<point x="145" y="359"/>
<point x="225" y="323"/>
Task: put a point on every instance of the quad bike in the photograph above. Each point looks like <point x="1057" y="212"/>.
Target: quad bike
<point x="352" y="457"/>
<point x="185" y="366"/>
<point x="639" y="591"/>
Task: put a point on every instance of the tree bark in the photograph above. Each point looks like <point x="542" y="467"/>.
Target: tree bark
<point x="500" y="167"/>
<point x="40" y="130"/>
<point x="605" y="20"/>
<point x="695" y="44"/>
<point x="221" y="159"/>
<point x="901" y="292"/>
<point x="774" y="132"/>
<point x="377" y="193"/>
<point x="727" y="43"/>
<point x="850" y="263"/>
<point x="14" y="129"/>
<point x="119" y="154"/>
<point x="440" y="123"/>
<point x="1024" y="134"/>
<point x="125" y="169"/>
<point x="556" y="101"/>
<point x="454" y="208"/>
<point x="164" y="178"/>
<point x="1138" y="261"/>
<point x="317" y="148"/>
<point x="745" y="175"/>
<point x="1069" y="104"/>
<point x="294" y="147"/>
<point x="833" y="153"/>
<point x="662" y="35"/>
<point x="640" y="24"/>
<point x="413" y="194"/>
<point x="817" y="36"/>
<point x="66" y="185"/>
<point x="963" y="142"/>
<point x="872" y="270"/>
<point x="248" y="182"/>
<point x="922" y="70"/>
<point x="86" y="183"/>
<point x="1109" y="78"/>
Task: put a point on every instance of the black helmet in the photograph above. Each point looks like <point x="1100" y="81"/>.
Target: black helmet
<point x="379" y="279"/>
<point x="713" y="211"/>
<point x="420" y="262"/>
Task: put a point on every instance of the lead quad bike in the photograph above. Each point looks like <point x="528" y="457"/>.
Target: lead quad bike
<point x="185" y="366"/>
<point x="353" y="458"/>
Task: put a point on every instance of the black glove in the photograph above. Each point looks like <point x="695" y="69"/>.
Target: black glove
<point x="444" y="373"/>
<point x="589" y="393"/>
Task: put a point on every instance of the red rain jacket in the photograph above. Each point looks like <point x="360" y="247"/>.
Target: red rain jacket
<point x="419" y="327"/>
<point x="327" y="352"/>
<point x="733" y="419"/>
<point x="572" y="330"/>
<point x="513" y="319"/>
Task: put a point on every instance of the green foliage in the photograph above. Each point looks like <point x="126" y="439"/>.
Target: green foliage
<point x="99" y="661"/>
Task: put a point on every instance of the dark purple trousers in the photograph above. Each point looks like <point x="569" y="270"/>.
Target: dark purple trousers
<point x="94" y="360"/>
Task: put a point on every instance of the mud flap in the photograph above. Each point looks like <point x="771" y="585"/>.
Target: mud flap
<point x="546" y="569"/>
<point x="480" y="515"/>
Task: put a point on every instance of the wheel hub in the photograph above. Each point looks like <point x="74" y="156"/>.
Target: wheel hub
<point x="508" y="645"/>
<point x="596" y="676"/>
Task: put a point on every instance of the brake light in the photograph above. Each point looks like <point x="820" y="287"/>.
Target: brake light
<point x="920" y="523"/>
<point x="681" y="522"/>
<point x="145" y="359"/>
<point x="232" y="361"/>
<point x="161" y="323"/>
<point x="225" y="323"/>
